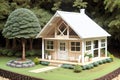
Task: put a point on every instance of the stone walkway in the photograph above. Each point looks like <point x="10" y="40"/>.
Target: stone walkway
<point x="43" y="69"/>
<point x="117" y="78"/>
<point x="1" y="78"/>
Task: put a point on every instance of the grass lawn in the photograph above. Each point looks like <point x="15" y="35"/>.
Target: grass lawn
<point x="63" y="74"/>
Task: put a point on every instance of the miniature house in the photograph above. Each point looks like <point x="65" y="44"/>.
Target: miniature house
<point x="70" y="36"/>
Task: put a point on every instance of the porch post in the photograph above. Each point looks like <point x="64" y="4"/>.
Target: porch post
<point x="106" y="47"/>
<point x="99" y="45"/>
<point x="83" y="46"/>
<point x="43" y="56"/>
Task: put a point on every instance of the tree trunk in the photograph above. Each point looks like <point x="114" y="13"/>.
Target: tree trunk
<point x="23" y="49"/>
<point x="14" y="44"/>
<point x="7" y="43"/>
<point x="31" y="45"/>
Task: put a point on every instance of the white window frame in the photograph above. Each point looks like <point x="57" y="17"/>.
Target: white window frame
<point x="89" y="45"/>
<point x="103" y="43"/>
<point x="75" y="46"/>
<point x="46" y="44"/>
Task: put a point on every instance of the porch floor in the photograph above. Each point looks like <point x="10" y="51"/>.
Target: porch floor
<point x="73" y="62"/>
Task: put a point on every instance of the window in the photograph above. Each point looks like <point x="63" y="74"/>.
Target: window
<point x="88" y="45"/>
<point x="75" y="46"/>
<point x="103" y="43"/>
<point x="62" y="29"/>
<point x="49" y="45"/>
<point x="62" y="46"/>
<point x="95" y="44"/>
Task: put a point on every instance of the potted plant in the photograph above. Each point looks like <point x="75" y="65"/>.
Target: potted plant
<point x="49" y="56"/>
<point x="46" y="54"/>
<point x="90" y="57"/>
<point x="86" y="57"/>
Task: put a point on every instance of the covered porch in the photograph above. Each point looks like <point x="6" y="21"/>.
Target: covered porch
<point x="74" y="50"/>
<point x="73" y="62"/>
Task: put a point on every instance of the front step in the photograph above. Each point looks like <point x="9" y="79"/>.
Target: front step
<point x="55" y="64"/>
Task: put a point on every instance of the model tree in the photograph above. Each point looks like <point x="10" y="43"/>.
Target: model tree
<point x="22" y="24"/>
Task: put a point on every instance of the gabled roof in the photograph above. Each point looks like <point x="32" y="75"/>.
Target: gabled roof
<point x="80" y="23"/>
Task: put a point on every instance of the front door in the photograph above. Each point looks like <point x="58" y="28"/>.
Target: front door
<point x="95" y="48"/>
<point x="62" y="50"/>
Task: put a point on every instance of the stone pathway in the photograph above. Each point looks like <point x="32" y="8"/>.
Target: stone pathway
<point x="43" y="69"/>
<point x="117" y="78"/>
<point x="1" y="78"/>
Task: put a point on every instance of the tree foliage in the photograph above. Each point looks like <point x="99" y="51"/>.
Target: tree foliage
<point x="22" y="23"/>
<point x="105" y="12"/>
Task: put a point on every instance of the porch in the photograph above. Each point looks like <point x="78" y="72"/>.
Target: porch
<point x="73" y="62"/>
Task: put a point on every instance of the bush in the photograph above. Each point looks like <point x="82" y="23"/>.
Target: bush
<point x="109" y="60"/>
<point x="38" y="52"/>
<point x="95" y="64"/>
<point x="36" y="60"/>
<point x="30" y="53"/>
<point x="91" y="66"/>
<point x="5" y="52"/>
<point x="44" y="63"/>
<point x="10" y="53"/>
<point x="68" y="66"/>
<point x="1" y="51"/>
<point x="104" y="60"/>
<point x="84" y="67"/>
<point x="18" y="54"/>
<point x="77" y="68"/>
<point x="100" y="62"/>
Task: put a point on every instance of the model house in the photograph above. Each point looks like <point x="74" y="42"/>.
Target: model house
<point x="72" y="36"/>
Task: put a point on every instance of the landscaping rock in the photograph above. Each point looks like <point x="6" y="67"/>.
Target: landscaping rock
<point x="20" y="64"/>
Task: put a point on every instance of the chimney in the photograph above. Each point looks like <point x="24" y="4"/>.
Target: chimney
<point x="82" y="11"/>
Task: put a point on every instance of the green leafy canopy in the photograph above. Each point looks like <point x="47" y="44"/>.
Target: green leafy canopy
<point x="21" y="23"/>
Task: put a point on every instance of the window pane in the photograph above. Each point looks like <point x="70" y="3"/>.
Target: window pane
<point x="72" y="48"/>
<point x="103" y="40"/>
<point x="77" y="48"/>
<point x="88" y="48"/>
<point x="96" y="44"/>
<point x="49" y="45"/>
<point x="77" y="43"/>
<point x="95" y="53"/>
<point x="88" y="42"/>
<point x="103" y="45"/>
<point x="72" y="43"/>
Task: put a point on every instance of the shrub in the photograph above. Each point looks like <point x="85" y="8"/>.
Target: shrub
<point x="5" y="51"/>
<point x="104" y="60"/>
<point x="84" y="67"/>
<point x="1" y="51"/>
<point x="109" y="60"/>
<point x="44" y="63"/>
<point x="36" y="60"/>
<point x="95" y="64"/>
<point x="91" y="65"/>
<point x="30" y="53"/>
<point x="77" y="68"/>
<point x="10" y="53"/>
<point x="100" y="62"/>
<point x="68" y="66"/>
<point x="18" y="54"/>
<point x="38" y="52"/>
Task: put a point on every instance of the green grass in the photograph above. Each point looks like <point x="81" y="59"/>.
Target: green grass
<point x="63" y="74"/>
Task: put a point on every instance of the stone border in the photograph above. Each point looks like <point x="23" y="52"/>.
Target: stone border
<point x="20" y="64"/>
